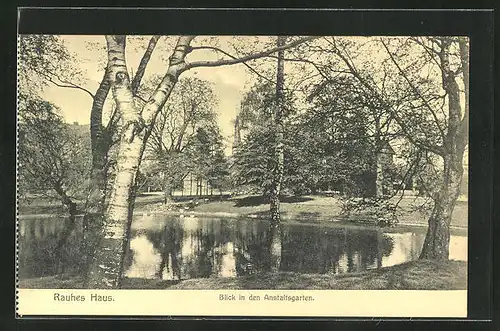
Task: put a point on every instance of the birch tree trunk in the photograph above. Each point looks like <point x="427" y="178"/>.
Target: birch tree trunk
<point x="379" y="167"/>
<point x="107" y="266"/>
<point x="279" y="148"/>
<point x="167" y="191"/>
<point x="237" y="134"/>
<point x="275" y="245"/>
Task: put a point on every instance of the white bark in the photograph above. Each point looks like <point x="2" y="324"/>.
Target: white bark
<point x="279" y="132"/>
<point x="107" y="267"/>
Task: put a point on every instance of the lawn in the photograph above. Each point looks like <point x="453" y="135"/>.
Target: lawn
<point x="304" y="208"/>
<point x="42" y="206"/>
<point x="415" y="275"/>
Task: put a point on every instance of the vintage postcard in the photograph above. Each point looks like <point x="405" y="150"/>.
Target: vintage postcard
<point x="290" y="175"/>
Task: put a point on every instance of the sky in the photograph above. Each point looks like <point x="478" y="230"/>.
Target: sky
<point x="229" y="82"/>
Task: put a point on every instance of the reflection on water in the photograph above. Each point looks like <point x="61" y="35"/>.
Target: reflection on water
<point x="38" y="239"/>
<point x="172" y="248"/>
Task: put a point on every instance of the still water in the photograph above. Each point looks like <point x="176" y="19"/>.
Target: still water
<point x="173" y="248"/>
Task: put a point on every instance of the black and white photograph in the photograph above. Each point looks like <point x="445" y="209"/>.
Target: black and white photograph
<point x="208" y="162"/>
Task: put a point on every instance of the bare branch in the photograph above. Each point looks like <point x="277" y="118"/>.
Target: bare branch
<point x="315" y="65"/>
<point x="176" y="66"/>
<point x="235" y="58"/>
<point x="429" y="50"/>
<point x="435" y="149"/>
<point x="64" y="83"/>
<point x="136" y="81"/>
<point x="140" y="98"/>
<point x="415" y="89"/>
<point x="248" y="57"/>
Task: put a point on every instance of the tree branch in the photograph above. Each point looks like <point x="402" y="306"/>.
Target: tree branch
<point x="248" y="57"/>
<point x="136" y="81"/>
<point x="160" y="95"/>
<point x="435" y="149"/>
<point x="417" y="92"/>
<point x="316" y="66"/>
<point x="234" y="58"/>
<point x="64" y="83"/>
<point x="140" y="98"/>
<point x="429" y="50"/>
<point x="96" y="126"/>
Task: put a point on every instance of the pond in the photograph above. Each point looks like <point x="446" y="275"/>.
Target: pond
<point x="174" y="248"/>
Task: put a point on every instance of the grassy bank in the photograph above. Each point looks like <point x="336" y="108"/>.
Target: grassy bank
<point x="303" y="208"/>
<point x="415" y="275"/>
<point x="307" y="208"/>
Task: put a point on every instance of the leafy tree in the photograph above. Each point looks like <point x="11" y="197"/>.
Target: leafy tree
<point x="187" y="119"/>
<point x="431" y="76"/>
<point x="207" y="156"/>
<point x="327" y="146"/>
<point x="53" y="156"/>
<point x="339" y="126"/>
<point x="255" y="159"/>
<point x="44" y="60"/>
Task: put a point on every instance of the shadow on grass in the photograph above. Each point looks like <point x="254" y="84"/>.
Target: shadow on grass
<point x="43" y="206"/>
<point x="415" y="275"/>
<point x="308" y="217"/>
<point x="261" y="200"/>
<point x="76" y="282"/>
